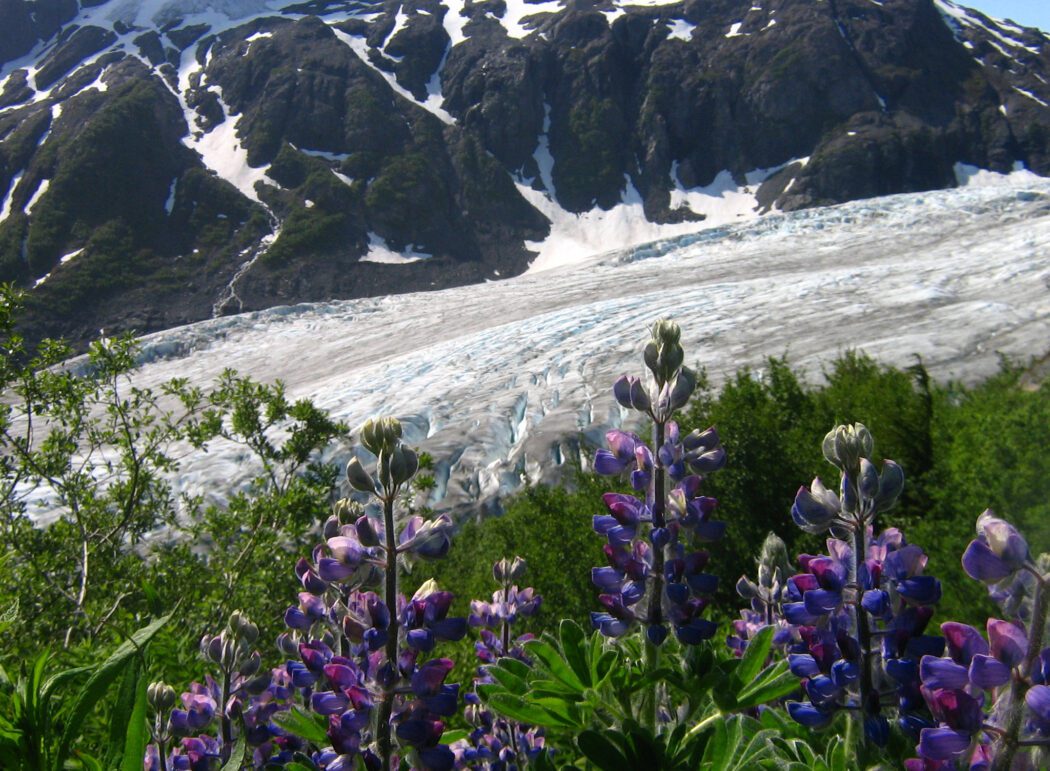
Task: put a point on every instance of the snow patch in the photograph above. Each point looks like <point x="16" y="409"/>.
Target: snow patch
<point x="1031" y="96"/>
<point x="5" y="212"/>
<point x="681" y="30"/>
<point x="734" y="30"/>
<point x="169" y="203"/>
<point x="973" y="176"/>
<point x="517" y="11"/>
<point x="378" y="251"/>
<point x="37" y="194"/>
<point x="433" y="103"/>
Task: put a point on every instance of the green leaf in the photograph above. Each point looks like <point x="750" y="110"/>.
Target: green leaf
<point x="137" y="736"/>
<point x="601" y="752"/>
<point x="120" y="719"/>
<point x="517" y="708"/>
<point x="449" y="737"/>
<point x="837" y="754"/>
<point x="775" y="682"/>
<point x="755" y="655"/>
<point x="573" y="645"/>
<point x="99" y="682"/>
<point x="238" y="753"/>
<point x="555" y="664"/>
<point x="507" y="679"/>
<point x="304" y="725"/>
<point x="515" y="667"/>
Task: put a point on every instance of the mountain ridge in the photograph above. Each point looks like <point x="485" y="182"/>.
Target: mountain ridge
<point x="164" y="163"/>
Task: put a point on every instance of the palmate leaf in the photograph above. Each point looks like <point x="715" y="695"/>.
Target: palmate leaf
<point x="755" y="655"/>
<point x="99" y="682"/>
<point x="739" y="743"/>
<point x="575" y="648"/>
<point x="552" y="660"/>
<point x="774" y="682"/>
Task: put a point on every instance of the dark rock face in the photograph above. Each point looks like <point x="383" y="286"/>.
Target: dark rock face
<point x="162" y="174"/>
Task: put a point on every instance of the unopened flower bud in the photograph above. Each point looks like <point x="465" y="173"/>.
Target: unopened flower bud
<point x="288" y="645"/>
<point x="160" y="696"/>
<point x="845" y="445"/>
<point x="366" y="531"/>
<point x="358" y="478"/>
<point x="403" y="465"/>
<point x="381" y="434"/>
<point x="250" y="665"/>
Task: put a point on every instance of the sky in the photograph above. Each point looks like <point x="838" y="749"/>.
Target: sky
<point x="1029" y="13"/>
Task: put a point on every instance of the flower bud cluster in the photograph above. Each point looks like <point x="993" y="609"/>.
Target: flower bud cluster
<point x="766" y="597"/>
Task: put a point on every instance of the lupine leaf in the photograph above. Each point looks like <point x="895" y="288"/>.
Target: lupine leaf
<point x="304" y="725"/>
<point x="99" y="682"/>
<point x="56" y="681"/>
<point x="572" y="645"/>
<point x="507" y="679"/>
<point x="602" y="752"/>
<point x="515" y="667"/>
<point x="605" y="666"/>
<point x="774" y="682"/>
<point x="519" y="709"/>
<point x="238" y="753"/>
<point x="448" y="737"/>
<point x="836" y="758"/>
<point x="754" y="658"/>
<point x="554" y="663"/>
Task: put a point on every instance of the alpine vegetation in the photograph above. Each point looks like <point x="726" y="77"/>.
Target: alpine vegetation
<point x="364" y="661"/>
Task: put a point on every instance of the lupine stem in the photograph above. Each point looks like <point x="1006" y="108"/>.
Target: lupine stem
<point x="386" y="707"/>
<point x="1009" y="740"/>
<point x="227" y="728"/>
<point x="654" y="616"/>
<point x="867" y="689"/>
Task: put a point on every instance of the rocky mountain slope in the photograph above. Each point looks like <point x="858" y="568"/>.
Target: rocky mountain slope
<point x="163" y="162"/>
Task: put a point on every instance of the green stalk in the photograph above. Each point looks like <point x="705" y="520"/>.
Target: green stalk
<point x="869" y="699"/>
<point x="654" y="614"/>
<point x="386" y="706"/>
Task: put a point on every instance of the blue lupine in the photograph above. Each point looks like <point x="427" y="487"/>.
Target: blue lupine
<point x="653" y="578"/>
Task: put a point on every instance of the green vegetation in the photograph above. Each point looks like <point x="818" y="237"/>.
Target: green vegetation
<point x="81" y="596"/>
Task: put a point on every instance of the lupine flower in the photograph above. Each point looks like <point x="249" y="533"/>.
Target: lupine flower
<point x="654" y="576"/>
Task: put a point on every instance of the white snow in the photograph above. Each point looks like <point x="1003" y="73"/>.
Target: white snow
<point x="681" y="30"/>
<point x="734" y="30"/>
<point x="575" y="237"/>
<point x="378" y="251"/>
<point x="966" y="175"/>
<point x="498" y="380"/>
<point x="343" y="178"/>
<point x="1031" y="96"/>
<point x="65" y="258"/>
<point x="454" y="21"/>
<point x="328" y="156"/>
<point x="433" y="103"/>
<point x="5" y="212"/>
<point x="169" y="204"/>
<point x="517" y="11"/>
<point x="37" y="194"/>
<point x="956" y="16"/>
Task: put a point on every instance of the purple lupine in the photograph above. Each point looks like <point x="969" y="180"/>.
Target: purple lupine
<point x="988" y="697"/>
<point x="654" y="575"/>
<point x="766" y="595"/>
<point x="864" y="590"/>
<point x="496" y="743"/>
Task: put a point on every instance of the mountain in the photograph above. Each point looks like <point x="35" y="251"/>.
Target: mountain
<point x="498" y="382"/>
<point x="164" y="162"/>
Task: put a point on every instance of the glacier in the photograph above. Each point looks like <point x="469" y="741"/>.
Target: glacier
<point x="504" y="382"/>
